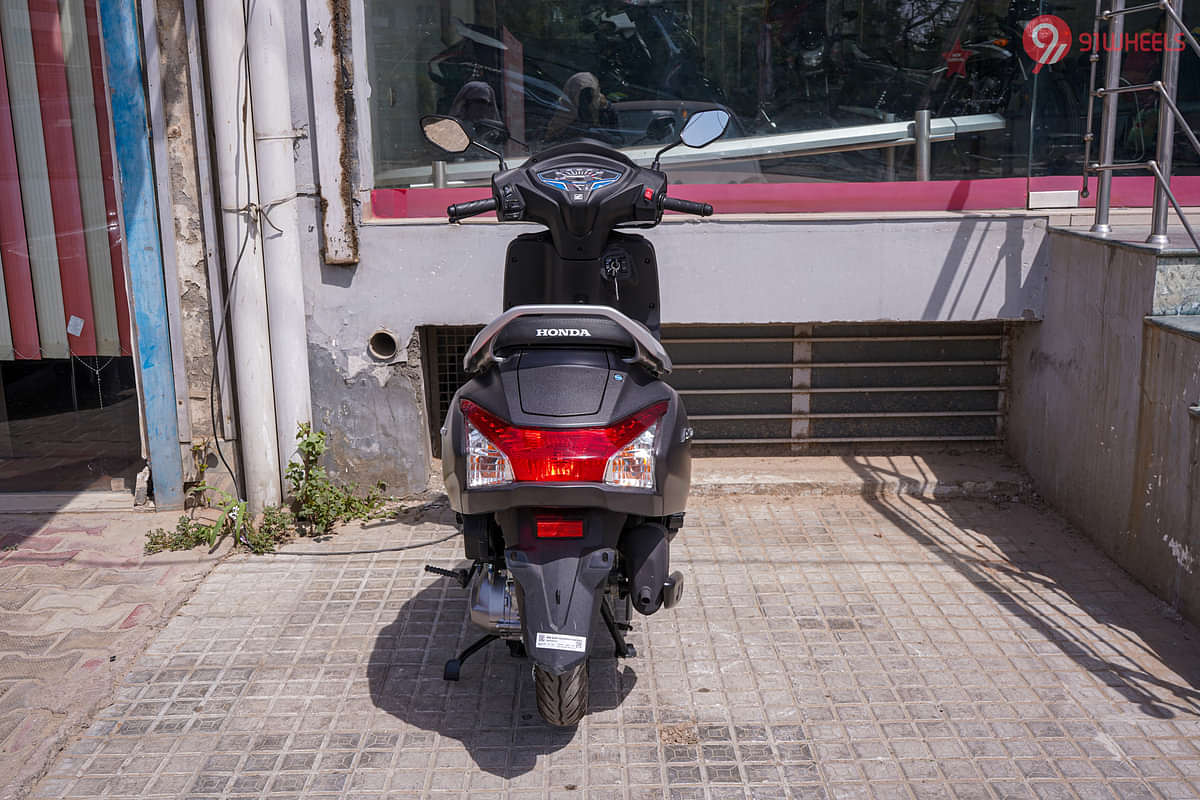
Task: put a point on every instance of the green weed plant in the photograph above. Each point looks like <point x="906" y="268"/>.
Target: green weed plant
<point x="317" y="505"/>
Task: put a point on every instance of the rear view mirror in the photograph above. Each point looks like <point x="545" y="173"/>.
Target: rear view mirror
<point x="704" y="127"/>
<point x="445" y="133"/>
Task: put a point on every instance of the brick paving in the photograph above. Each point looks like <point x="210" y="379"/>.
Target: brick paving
<point x="78" y="602"/>
<point x="884" y="647"/>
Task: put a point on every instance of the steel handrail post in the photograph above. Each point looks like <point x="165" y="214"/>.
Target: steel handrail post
<point x="1108" y="116"/>
<point x="1165" y="147"/>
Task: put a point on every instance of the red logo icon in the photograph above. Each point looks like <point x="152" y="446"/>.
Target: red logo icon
<point x="956" y="59"/>
<point x="1047" y="40"/>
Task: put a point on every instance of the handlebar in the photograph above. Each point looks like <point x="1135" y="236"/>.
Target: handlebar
<point x="687" y="207"/>
<point x="460" y="211"/>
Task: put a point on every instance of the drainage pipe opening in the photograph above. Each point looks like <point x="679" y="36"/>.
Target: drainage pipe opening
<point x="383" y="345"/>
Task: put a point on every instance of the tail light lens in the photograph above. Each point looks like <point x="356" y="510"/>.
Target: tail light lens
<point x="621" y="454"/>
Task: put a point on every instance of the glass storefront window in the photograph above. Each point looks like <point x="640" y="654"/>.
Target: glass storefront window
<point x="628" y="73"/>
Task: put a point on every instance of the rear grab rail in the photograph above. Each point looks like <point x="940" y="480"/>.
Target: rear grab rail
<point x="648" y="351"/>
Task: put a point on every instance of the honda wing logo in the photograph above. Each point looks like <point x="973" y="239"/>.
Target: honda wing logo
<point x="563" y="332"/>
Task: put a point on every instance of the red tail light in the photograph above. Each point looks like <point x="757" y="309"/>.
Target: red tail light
<point x="575" y="455"/>
<point x="550" y="526"/>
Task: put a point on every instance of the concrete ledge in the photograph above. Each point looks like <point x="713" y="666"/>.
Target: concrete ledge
<point x="55" y="502"/>
<point x="983" y="476"/>
<point x="1184" y="324"/>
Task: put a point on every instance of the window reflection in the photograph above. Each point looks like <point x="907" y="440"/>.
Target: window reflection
<point x="531" y="74"/>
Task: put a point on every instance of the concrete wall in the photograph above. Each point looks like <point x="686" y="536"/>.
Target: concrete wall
<point x="1074" y="396"/>
<point x="1165" y="502"/>
<point x="1097" y="412"/>
<point x="962" y="268"/>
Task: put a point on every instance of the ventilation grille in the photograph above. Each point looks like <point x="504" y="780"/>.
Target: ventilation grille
<point x="829" y="384"/>
<point x="811" y="386"/>
<point x="444" y="373"/>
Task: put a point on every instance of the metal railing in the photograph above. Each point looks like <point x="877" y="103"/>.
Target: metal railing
<point x="920" y="133"/>
<point x="1168" y="115"/>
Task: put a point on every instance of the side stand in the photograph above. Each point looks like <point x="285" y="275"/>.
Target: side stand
<point x="616" y="630"/>
<point x="454" y="665"/>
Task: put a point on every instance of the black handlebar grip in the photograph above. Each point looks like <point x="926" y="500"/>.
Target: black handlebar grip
<point x="463" y="210"/>
<point x="687" y="207"/>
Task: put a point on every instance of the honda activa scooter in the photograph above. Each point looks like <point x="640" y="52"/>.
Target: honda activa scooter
<point x="565" y="456"/>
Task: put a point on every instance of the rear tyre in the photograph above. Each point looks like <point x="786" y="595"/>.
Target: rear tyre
<point x="562" y="700"/>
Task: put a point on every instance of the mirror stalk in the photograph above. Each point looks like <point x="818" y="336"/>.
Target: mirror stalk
<point x="487" y="149"/>
<point x="658" y="155"/>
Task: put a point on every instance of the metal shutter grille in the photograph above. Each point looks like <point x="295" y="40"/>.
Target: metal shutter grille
<point x="813" y="386"/>
<point x="841" y="383"/>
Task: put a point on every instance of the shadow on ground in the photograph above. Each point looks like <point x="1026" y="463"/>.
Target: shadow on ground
<point x="1039" y="581"/>
<point x="491" y="710"/>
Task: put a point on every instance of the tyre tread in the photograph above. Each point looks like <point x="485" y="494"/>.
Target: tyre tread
<point x="562" y="700"/>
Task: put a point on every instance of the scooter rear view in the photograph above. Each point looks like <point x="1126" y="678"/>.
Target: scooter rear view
<point x="566" y="456"/>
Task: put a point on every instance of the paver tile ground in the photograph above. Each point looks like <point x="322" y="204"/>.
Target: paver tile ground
<point x="78" y="602"/>
<point x="826" y="647"/>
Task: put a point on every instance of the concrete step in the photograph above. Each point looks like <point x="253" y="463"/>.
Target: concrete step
<point x="934" y="476"/>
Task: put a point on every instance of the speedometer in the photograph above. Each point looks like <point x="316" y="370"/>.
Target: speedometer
<point x="576" y="180"/>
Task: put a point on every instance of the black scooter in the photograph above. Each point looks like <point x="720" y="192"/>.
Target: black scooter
<point x="565" y="455"/>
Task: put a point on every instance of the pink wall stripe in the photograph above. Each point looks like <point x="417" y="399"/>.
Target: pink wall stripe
<point x="115" y="245"/>
<point x="981" y="194"/>
<point x="61" y="170"/>
<point x="14" y="250"/>
<point x="1129" y="191"/>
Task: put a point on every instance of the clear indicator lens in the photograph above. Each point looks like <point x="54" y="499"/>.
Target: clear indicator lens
<point x="633" y="464"/>
<point x="486" y="464"/>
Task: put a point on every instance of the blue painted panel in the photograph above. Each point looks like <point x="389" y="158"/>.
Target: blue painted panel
<point x="122" y="46"/>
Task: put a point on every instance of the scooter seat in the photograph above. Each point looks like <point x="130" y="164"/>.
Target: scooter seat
<point x="566" y="326"/>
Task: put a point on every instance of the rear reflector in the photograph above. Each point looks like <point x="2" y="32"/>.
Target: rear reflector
<point x="558" y="528"/>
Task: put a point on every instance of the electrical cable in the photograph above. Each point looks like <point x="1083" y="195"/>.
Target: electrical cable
<point x="401" y="548"/>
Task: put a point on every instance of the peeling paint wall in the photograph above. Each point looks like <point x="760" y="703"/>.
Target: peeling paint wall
<point x="196" y="312"/>
<point x="374" y="415"/>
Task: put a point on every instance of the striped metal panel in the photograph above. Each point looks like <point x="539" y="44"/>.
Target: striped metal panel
<point x="108" y="171"/>
<point x="86" y="136"/>
<point x="64" y="264"/>
<point x="810" y="387"/>
<point x="14" y="252"/>
<point x="818" y="385"/>
<point x="63" y="174"/>
<point x="35" y="188"/>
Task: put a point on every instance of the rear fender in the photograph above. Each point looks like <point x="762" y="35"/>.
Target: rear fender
<point x="559" y="599"/>
<point x="560" y="582"/>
